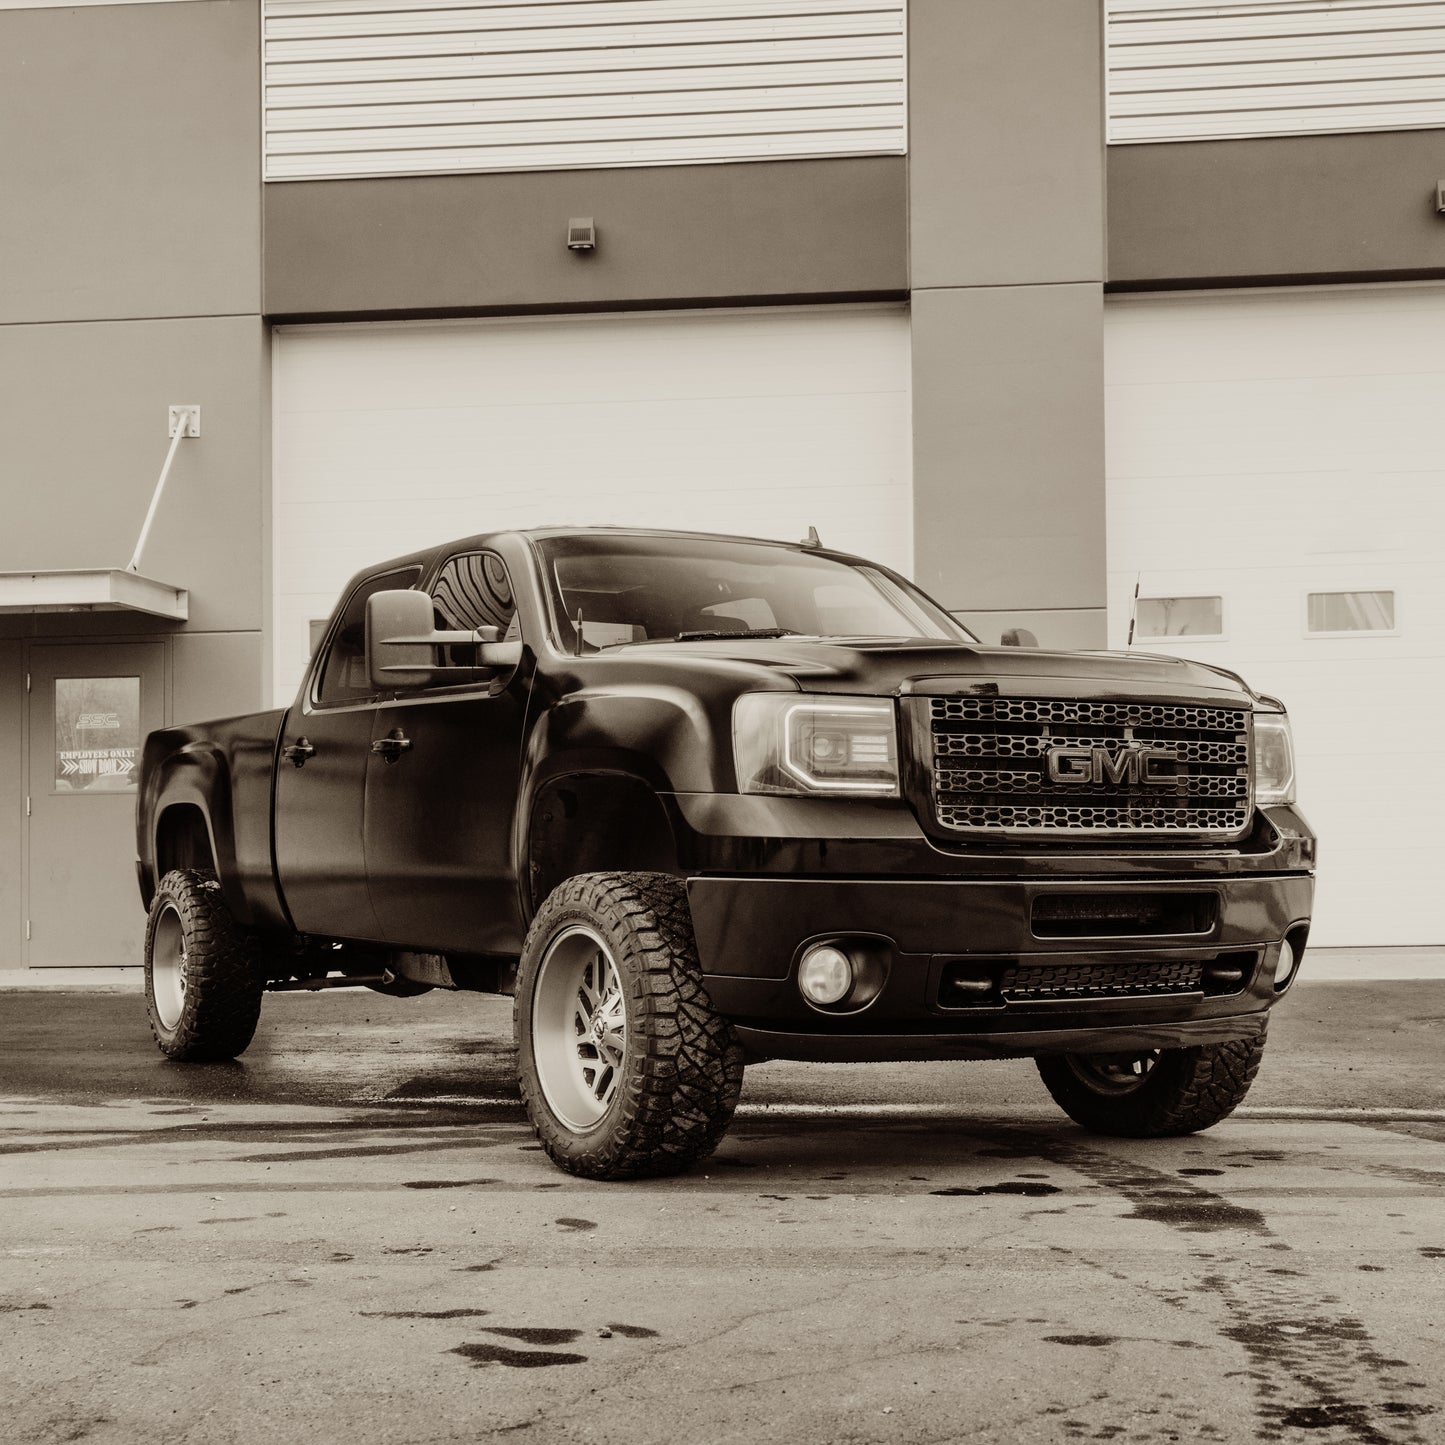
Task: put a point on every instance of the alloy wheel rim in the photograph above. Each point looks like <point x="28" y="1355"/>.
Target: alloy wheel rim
<point x="1114" y="1074"/>
<point x="169" y="963"/>
<point x="579" y="1028"/>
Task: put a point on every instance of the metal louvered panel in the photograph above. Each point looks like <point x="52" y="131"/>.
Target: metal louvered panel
<point x="409" y="87"/>
<point x="1188" y="70"/>
<point x="1010" y="766"/>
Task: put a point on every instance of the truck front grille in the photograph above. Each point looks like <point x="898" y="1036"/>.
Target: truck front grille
<point x="1049" y="766"/>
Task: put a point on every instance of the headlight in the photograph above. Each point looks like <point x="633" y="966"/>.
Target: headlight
<point x="1273" y="759"/>
<point x="784" y="743"/>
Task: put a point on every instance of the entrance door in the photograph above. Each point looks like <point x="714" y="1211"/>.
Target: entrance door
<point x="90" y="709"/>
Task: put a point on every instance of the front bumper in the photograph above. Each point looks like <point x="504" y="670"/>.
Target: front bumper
<point x="751" y="931"/>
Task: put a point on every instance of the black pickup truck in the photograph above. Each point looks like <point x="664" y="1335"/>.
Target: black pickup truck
<point x="701" y="801"/>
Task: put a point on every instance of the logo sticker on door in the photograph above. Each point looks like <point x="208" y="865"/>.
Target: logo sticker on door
<point x="97" y="734"/>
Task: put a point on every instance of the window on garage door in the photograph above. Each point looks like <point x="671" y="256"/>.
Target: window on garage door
<point x="1180" y="617"/>
<point x="1332" y="614"/>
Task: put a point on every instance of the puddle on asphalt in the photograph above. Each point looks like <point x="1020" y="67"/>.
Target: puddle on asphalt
<point x="485" y="1354"/>
<point x="1027" y="1188"/>
<point x="428" y="1315"/>
<point x="535" y="1335"/>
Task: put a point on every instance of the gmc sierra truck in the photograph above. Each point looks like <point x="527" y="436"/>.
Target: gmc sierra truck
<point x="700" y="801"/>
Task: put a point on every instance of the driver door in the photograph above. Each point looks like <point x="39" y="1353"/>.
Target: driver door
<point x="442" y="791"/>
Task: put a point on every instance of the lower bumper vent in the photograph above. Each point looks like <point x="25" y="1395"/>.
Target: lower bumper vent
<point x="999" y="982"/>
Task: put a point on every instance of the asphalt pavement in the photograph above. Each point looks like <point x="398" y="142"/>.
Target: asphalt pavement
<point x="350" y="1235"/>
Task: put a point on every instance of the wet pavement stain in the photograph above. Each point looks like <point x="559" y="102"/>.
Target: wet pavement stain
<point x="444" y="1183"/>
<point x="1197" y="1212"/>
<point x="1431" y="1251"/>
<point x="482" y="1355"/>
<point x="1198" y="1172"/>
<point x="414" y="1249"/>
<point x="1093" y="1341"/>
<point x="1356" y="1418"/>
<point x="535" y="1334"/>
<point x="7" y="1308"/>
<point x="1328" y="1364"/>
<point x="1028" y="1189"/>
<point x="579" y="1226"/>
<point x="426" y="1315"/>
<point x="486" y="1268"/>
<point x="632" y="1332"/>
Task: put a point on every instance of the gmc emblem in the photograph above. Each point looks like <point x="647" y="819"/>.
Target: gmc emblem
<point x="1126" y="763"/>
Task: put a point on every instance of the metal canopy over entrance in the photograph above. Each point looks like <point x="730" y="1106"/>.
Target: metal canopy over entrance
<point x="108" y="589"/>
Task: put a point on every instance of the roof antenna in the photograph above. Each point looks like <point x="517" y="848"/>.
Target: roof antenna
<point x="1134" y="608"/>
<point x="578" y="625"/>
<point x="812" y="539"/>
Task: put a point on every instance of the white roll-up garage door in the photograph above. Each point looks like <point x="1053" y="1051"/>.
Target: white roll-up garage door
<point x="1277" y="491"/>
<point x="392" y="437"/>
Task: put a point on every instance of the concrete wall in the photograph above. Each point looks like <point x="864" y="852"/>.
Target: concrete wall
<point x="83" y="436"/>
<point x="1281" y="209"/>
<point x="431" y="244"/>
<point x="129" y="161"/>
<point x="12" y="804"/>
<point x="1007" y="263"/>
<point x="131" y="243"/>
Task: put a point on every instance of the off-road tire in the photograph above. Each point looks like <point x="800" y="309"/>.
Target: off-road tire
<point x="1186" y="1089"/>
<point x="682" y="1067"/>
<point x="223" y="973"/>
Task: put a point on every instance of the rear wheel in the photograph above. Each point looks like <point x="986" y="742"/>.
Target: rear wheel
<point x="626" y="1070"/>
<point x="203" y="975"/>
<point x="1153" y="1093"/>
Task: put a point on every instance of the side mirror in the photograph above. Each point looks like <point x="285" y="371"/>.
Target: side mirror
<point x="401" y="645"/>
<point x="1018" y="637"/>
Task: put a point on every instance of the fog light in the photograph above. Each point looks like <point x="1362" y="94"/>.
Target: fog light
<point x="825" y="974"/>
<point x="1284" y="964"/>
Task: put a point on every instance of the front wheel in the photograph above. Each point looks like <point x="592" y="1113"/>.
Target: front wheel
<point x="203" y="976"/>
<point x="1153" y="1093"/>
<point x="625" y="1068"/>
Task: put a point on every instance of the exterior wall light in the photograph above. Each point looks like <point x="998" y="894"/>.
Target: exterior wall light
<point x="581" y="234"/>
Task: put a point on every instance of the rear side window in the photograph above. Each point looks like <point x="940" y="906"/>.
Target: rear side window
<point x="343" y="670"/>
<point x="474" y="591"/>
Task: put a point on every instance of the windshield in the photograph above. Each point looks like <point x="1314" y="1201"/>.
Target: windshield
<point x="663" y="589"/>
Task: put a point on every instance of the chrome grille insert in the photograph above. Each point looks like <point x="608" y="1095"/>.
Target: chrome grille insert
<point x="1023" y="765"/>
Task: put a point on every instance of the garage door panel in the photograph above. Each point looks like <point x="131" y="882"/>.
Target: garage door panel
<point x="390" y="438"/>
<point x="1263" y="447"/>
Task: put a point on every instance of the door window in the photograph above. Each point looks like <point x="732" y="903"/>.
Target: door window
<point x="343" y="672"/>
<point x="473" y="591"/>
<point x="97" y="734"/>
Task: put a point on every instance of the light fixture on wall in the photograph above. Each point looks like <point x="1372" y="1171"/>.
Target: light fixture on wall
<point x="581" y="234"/>
<point x="1440" y="197"/>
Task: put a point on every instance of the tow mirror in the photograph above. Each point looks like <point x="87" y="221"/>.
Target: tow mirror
<point x="1018" y="637"/>
<point x="401" y="645"/>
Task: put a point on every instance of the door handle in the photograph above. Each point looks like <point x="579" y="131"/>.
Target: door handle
<point x="298" y="751"/>
<point x="392" y="746"/>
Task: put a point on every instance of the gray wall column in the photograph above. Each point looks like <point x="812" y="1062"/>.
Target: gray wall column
<point x="1006" y="252"/>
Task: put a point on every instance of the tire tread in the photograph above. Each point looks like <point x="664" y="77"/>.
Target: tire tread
<point x="1187" y="1090"/>
<point x="225" y="980"/>
<point x="690" y="1073"/>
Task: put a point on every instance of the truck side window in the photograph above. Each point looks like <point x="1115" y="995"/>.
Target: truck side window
<point x="343" y="671"/>
<point x="471" y="591"/>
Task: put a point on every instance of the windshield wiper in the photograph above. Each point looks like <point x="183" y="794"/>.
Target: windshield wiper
<point x="746" y="632"/>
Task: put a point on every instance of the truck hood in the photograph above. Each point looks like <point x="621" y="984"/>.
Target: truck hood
<point x="888" y="665"/>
